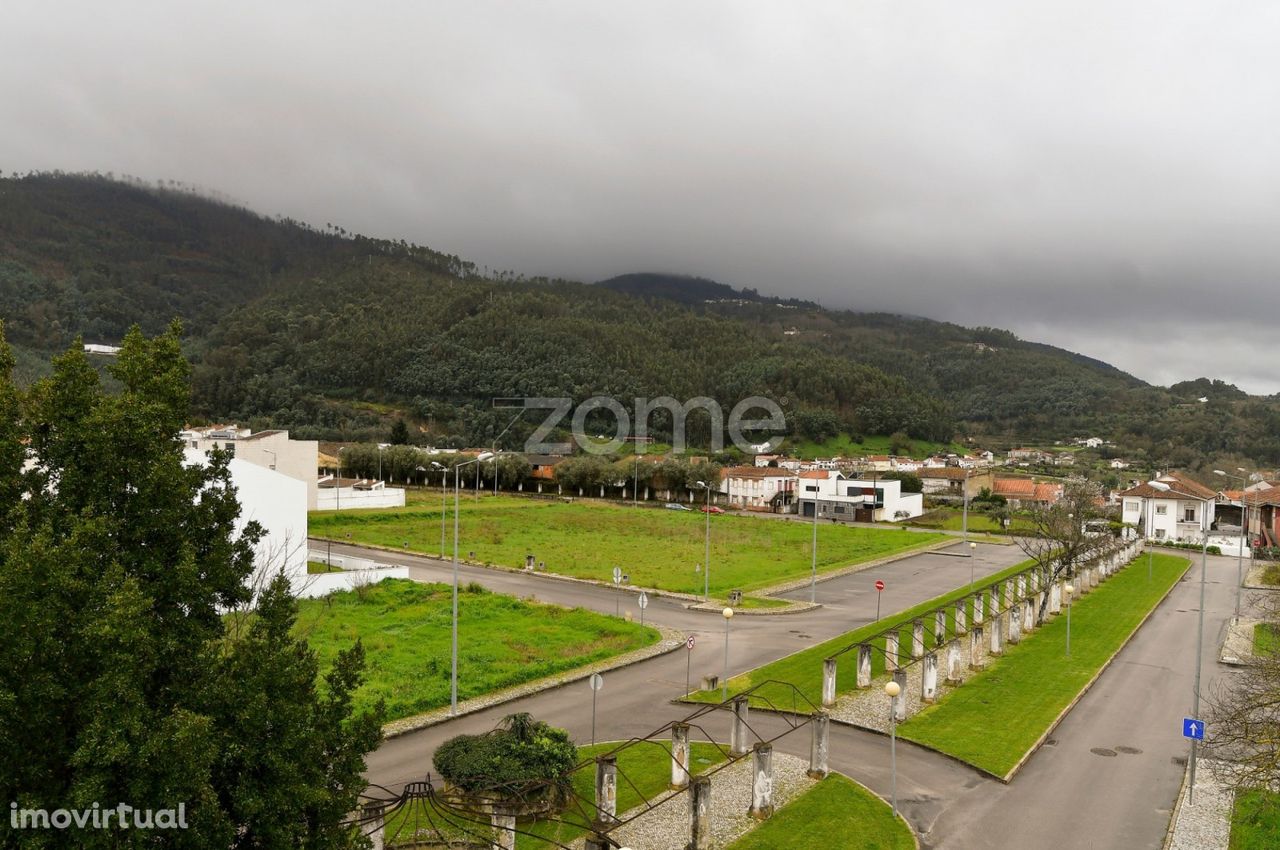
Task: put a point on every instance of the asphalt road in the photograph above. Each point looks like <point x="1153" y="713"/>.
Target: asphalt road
<point x="1066" y="797"/>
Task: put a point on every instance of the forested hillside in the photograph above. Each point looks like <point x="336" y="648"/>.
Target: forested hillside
<point x="334" y="335"/>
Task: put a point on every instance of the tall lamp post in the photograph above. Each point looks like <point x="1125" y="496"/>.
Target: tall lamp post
<point x="444" y="505"/>
<point x="337" y="492"/>
<point x="706" y="558"/>
<point x="813" y="572"/>
<point x="973" y="550"/>
<point x="1069" y="589"/>
<point x="964" y="522"/>
<point x="727" y="613"/>
<point x="892" y="689"/>
<point x="453" y="667"/>
<point x="1240" y="552"/>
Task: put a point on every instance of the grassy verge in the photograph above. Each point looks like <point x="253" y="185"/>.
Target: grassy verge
<point x="803" y="669"/>
<point x="317" y="567"/>
<point x="1255" y="821"/>
<point x="1266" y="639"/>
<point x="836" y="812"/>
<point x="647" y="769"/>
<point x="656" y="548"/>
<point x="1000" y="713"/>
<point x="503" y="641"/>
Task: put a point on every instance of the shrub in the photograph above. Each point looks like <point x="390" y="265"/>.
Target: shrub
<point x="523" y="759"/>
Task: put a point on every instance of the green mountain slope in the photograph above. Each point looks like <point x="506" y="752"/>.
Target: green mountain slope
<point x="330" y="334"/>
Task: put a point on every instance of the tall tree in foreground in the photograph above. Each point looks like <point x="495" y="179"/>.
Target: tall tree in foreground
<point x="119" y="683"/>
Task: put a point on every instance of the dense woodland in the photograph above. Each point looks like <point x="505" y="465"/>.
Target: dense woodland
<point x="335" y="336"/>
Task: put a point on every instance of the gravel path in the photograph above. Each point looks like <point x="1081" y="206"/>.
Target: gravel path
<point x="667" y="827"/>
<point x="1207" y="824"/>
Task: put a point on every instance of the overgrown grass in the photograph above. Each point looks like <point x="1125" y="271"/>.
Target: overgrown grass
<point x="656" y="548"/>
<point x="999" y="714"/>
<point x="803" y="669"/>
<point x="503" y="641"/>
<point x="317" y="567"/>
<point x="1255" y="821"/>
<point x="836" y="812"/>
<point x="1266" y="639"/>
<point x="646" y="768"/>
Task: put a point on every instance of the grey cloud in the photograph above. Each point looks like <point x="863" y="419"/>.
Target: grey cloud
<point x="1077" y="171"/>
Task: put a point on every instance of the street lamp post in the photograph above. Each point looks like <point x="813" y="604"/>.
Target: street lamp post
<point x="965" y="499"/>
<point x="381" y="446"/>
<point x="444" y="505"/>
<point x="813" y="575"/>
<point x="1240" y="551"/>
<point x="1069" y="590"/>
<point x="1195" y="708"/>
<point x="337" y="491"/>
<point x="453" y="667"/>
<point x="727" y="613"/>
<point x="706" y="557"/>
<point x="892" y="689"/>
<point x="973" y="548"/>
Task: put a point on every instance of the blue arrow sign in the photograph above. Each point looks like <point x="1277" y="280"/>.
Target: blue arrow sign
<point x="1192" y="728"/>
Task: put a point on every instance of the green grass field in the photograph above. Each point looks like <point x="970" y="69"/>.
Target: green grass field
<point x="999" y="714"/>
<point x="655" y="547"/>
<point x="836" y="812"/>
<point x="803" y="669"/>
<point x="1255" y="821"/>
<point x="643" y="769"/>
<point x="503" y="641"/>
<point x="1266" y="639"/>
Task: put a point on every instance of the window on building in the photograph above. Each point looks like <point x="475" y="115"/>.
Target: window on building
<point x="839" y="509"/>
<point x="1161" y="510"/>
<point x="1159" y="533"/>
<point x="1130" y="507"/>
<point x="1188" y="514"/>
<point x="811" y="488"/>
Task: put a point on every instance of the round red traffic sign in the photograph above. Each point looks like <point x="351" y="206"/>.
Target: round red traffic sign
<point x="879" y="584"/>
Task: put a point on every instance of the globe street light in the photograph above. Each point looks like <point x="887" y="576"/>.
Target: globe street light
<point x="727" y="613"/>
<point x="706" y="559"/>
<point x="892" y="689"/>
<point x="973" y="548"/>
<point x="1069" y="590"/>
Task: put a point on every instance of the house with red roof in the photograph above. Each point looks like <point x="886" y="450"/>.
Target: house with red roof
<point x="1172" y="506"/>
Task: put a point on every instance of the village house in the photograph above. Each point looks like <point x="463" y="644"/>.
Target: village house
<point x="835" y="496"/>
<point x="756" y="488"/>
<point x="298" y="459"/>
<point x="1178" y="509"/>
<point x="950" y="481"/>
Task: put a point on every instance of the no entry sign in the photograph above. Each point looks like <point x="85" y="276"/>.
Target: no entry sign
<point x="879" y="584"/>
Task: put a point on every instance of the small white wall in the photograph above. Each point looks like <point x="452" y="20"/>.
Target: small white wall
<point x="322" y="584"/>
<point x="350" y="499"/>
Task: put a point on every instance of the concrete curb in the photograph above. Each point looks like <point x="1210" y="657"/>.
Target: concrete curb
<point x="1177" y="809"/>
<point x="671" y="640"/>
<point x="1246" y="625"/>
<point x="1089" y="685"/>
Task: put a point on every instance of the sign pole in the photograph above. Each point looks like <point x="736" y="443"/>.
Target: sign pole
<point x="879" y="590"/>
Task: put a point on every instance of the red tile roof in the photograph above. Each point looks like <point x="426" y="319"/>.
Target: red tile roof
<point x="756" y="472"/>
<point x="951" y="473"/>
<point x="1180" y="487"/>
<point x="1017" y="488"/>
<point x="820" y="474"/>
<point x="1048" y="492"/>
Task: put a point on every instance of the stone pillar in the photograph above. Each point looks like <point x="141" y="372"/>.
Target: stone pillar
<point x="1055" y="598"/>
<point x="900" y="676"/>
<point x="820" y="745"/>
<point x="700" y="813"/>
<point x="976" y="661"/>
<point x="929" y="678"/>
<point x="979" y="603"/>
<point x="1028" y="615"/>
<point x="955" y="670"/>
<point x="1093" y="577"/>
<point x="864" y="665"/>
<point x="738" y="738"/>
<point x="762" y="782"/>
<point x="828" y="682"/>
<point x="917" y="638"/>
<point x="373" y="823"/>
<point x="891" y="650"/>
<point x="1015" y="622"/>
<point x="1019" y="585"/>
<point x="679" y="755"/>
<point x="606" y="790"/>
<point x="962" y="625"/>
<point x="996" y="646"/>
<point x="939" y="627"/>
<point x="503" y="820"/>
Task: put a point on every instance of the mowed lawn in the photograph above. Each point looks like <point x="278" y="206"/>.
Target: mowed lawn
<point x="503" y="641"/>
<point x="779" y="681"/>
<point x="997" y="715"/>
<point x="1255" y="821"/>
<point x="655" y="547"/>
<point x="836" y="812"/>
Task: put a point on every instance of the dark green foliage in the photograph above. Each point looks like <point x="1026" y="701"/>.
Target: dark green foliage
<point x="911" y="482"/>
<point x="524" y="759"/>
<point x="337" y="336"/>
<point x="119" y="682"/>
<point x="399" y="435"/>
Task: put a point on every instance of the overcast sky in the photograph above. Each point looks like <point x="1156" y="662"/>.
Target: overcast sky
<point x="1097" y="174"/>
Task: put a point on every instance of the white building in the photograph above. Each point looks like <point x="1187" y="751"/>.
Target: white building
<point x="348" y="494"/>
<point x="1180" y="510"/>
<point x="271" y="449"/>
<point x="859" y="499"/>
<point x="278" y="503"/>
<point x="759" y="488"/>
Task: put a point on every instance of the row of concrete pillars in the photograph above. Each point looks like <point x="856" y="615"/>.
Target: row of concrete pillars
<point x="1014" y="611"/>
